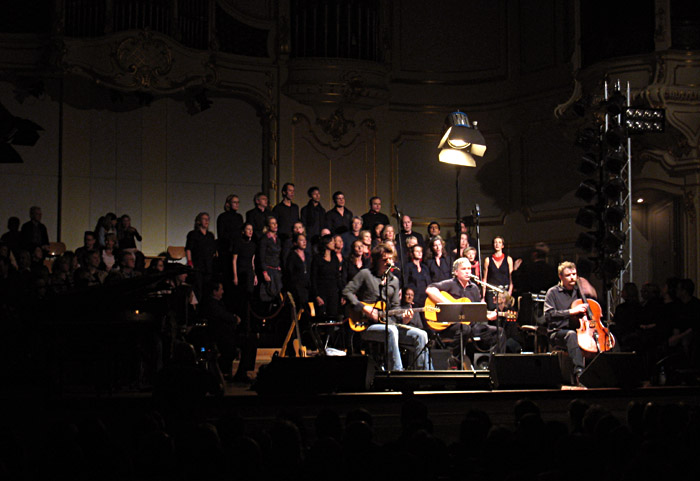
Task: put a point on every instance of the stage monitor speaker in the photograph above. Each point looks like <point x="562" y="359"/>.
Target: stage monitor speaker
<point x="518" y="371"/>
<point x="321" y="374"/>
<point x="441" y="358"/>
<point x="613" y="369"/>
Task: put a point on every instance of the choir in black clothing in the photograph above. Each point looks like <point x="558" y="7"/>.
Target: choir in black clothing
<point x="285" y="249"/>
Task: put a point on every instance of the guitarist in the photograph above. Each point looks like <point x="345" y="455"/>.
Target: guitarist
<point x="369" y="286"/>
<point x="460" y="286"/>
<point x="559" y="314"/>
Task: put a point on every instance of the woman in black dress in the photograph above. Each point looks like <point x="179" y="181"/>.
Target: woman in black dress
<point x="325" y="278"/>
<point x="417" y="275"/>
<point x="498" y="270"/>
<point x="243" y="264"/>
<point x="439" y="264"/>
<point x="354" y="262"/>
<point x="298" y="272"/>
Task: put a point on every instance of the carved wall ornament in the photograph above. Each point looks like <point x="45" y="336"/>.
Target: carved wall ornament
<point x="145" y="58"/>
<point x="689" y="204"/>
<point x="336" y="126"/>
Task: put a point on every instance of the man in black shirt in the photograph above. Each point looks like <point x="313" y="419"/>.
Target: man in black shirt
<point x="374" y="216"/>
<point x="286" y="212"/>
<point x="312" y="214"/>
<point x="339" y="218"/>
<point x="257" y="216"/>
<point x="228" y="229"/>
<point x="559" y="314"/>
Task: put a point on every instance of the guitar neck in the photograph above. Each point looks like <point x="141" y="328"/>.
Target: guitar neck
<point x="396" y="312"/>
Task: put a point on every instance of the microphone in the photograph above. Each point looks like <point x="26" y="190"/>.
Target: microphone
<point x="477" y="210"/>
<point x="392" y="268"/>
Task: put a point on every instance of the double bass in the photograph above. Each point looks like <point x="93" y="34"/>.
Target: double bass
<point x="593" y="336"/>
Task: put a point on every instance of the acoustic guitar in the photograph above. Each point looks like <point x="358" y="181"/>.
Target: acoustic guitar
<point x="358" y="322"/>
<point x="299" y="348"/>
<point x="431" y="317"/>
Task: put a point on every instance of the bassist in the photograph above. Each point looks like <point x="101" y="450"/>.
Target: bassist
<point x="369" y="286"/>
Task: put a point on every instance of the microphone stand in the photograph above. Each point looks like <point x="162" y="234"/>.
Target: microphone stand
<point x="385" y="279"/>
<point x="402" y="240"/>
<point x="477" y="214"/>
<point x="500" y="291"/>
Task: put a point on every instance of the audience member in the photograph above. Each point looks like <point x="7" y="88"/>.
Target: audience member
<point x="33" y="232"/>
<point x="12" y="238"/>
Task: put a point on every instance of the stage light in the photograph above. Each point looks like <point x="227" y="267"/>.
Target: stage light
<point x="586" y="217"/>
<point x="613" y="240"/>
<point x="460" y="134"/>
<point x="614" y="188"/>
<point x="639" y="121"/>
<point x="613" y="215"/>
<point x="587" y="138"/>
<point x="457" y="157"/>
<point x="614" y="136"/>
<point x="587" y="190"/>
<point x="586" y="241"/>
<point x="616" y="103"/>
<point x="589" y="163"/>
<point x="614" y="161"/>
<point x="612" y="265"/>
<point x="15" y="131"/>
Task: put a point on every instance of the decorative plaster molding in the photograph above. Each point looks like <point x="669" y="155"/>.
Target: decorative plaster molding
<point x="138" y="61"/>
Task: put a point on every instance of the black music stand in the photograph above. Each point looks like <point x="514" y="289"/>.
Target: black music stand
<point x="462" y="313"/>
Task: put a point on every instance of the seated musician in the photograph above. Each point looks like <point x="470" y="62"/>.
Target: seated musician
<point x="558" y="313"/>
<point x="460" y="287"/>
<point x="370" y="286"/>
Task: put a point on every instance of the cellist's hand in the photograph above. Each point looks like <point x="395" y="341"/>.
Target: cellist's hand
<point x="579" y="310"/>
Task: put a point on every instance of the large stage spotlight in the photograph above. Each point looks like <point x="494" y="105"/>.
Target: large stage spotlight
<point x="586" y="241"/>
<point x="587" y="190"/>
<point x="613" y="241"/>
<point x="460" y="135"/>
<point x="613" y="215"/>
<point x="615" y="161"/>
<point x="616" y="103"/>
<point x="612" y="265"/>
<point x="15" y="131"/>
<point x="586" y="217"/>
<point x="614" y="188"/>
<point x="589" y="163"/>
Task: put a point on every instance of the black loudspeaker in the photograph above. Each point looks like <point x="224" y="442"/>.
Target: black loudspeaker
<point x="613" y="369"/>
<point x="440" y="358"/>
<point x="321" y="374"/>
<point x="517" y="371"/>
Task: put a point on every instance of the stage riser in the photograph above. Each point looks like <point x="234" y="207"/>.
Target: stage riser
<point x="432" y="381"/>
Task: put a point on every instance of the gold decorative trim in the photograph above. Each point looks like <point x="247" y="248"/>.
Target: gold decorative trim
<point x="145" y="58"/>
